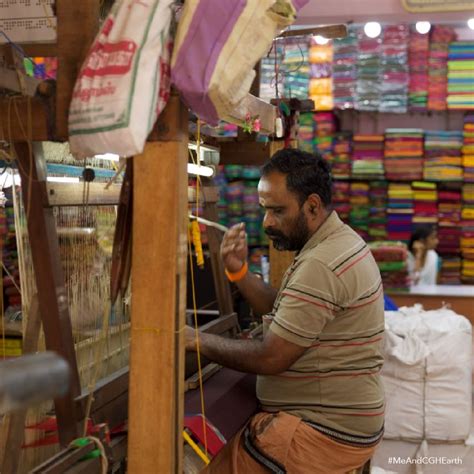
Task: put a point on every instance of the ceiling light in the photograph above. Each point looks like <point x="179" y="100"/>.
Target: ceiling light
<point x="206" y="171"/>
<point x="321" y="40"/>
<point x="423" y="27"/>
<point x="470" y="23"/>
<point x="372" y="29"/>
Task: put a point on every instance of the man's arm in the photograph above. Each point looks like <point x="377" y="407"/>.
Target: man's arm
<point x="234" y="253"/>
<point x="271" y="356"/>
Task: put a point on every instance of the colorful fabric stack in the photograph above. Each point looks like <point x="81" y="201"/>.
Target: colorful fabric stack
<point x="251" y="207"/>
<point x="295" y="67"/>
<point x="344" y="70"/>
<point x="395" y="77"/>
<point x="468" y="148"/>
<point x="403" y="154"/>
<point x="425" y="200"/>
<point x="324" y="129"/>
<point x="399" y="211"/>
<point x="461" y="75"/>
<point x="467" y="236"/>
<point x="367" y="157"/>
<point x="221" y="182"/>
<point x="341" y="155"/>
<point x="271" y="77"/>
<point x="443" y="161"/>
<point x="320" y="84"/>
<point x="378" y="210"/>
<point x="391" y="258"/>
<point x="306" y="132"/>
<point x="234" y="194"/>
<point x="449" y="233"/>
<point x="340" y="199"/>
<point x="368" y="73"/>
<point x="441" y="36"/>
<point x="360" y="209"/>
<point x="418" y="51"/>
<point x="11" y="282"/>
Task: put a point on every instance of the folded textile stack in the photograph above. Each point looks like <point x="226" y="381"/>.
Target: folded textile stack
<point x="341" y="155"/>
<point x="360" y="209"/>
<point x="468" y="148"/>
<point x="234" y="194"/>
<point x="467" y="235"/>
<point x="460" y="75"/>
<point x="344" y="70"/>
<point x="395" y="78"/>
<point x="306" y="132"/>
<point x="368" y="82"/>
<point x="340" y="199"/>
<point x="378" y="210"/>
<point x="449" y="232"/>
<point x="220" y="181"/>
<point x="399" y="211"/>
<point x="425" y="200"/>
<point x="320" y="84"/>
<point x="251" y="207"/>
<point x="391" y="258"/>
<point x="367" y="157"/>
<point x="443" y="160"/>
<point x="271" y="77"/>
<point x="418" y="52"/>
<point x="441" y="36"/>
<point x="10" y="261"/>
<point x="403" y="154"/>
<point x="324" y="129"/>
<point x="295" y="67"/>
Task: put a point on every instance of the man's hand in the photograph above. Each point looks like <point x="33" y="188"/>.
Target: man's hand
<point x="234" y="250"/>
<point x="190" y="338"/>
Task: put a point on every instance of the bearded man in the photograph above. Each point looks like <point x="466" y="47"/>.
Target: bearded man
<point x="318" y="364"/>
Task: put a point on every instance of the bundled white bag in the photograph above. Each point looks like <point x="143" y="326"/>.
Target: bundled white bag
<point x="124" y="82"/>
<point x="427" y="375"/>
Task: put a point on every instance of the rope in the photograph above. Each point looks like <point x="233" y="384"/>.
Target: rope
<point x="79" y="442"/>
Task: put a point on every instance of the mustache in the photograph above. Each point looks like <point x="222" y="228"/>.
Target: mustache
<point x="274" y="233"/>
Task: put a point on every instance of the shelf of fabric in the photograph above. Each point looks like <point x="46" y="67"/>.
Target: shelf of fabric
<point x="341" y="155"/>
<point x="320" y="84"/>
<point x="394" y="69"/>
<point x="418" y="52"/>
<point x="340" y="199"/>
<point x="391" y="258"/>
<point x="443" y="159"/>
<point x="399" y="211"/>
<point x="295" y="67"/>
<point x="367" y="157"/>
<point x="403" y="154"/>
<point x="441" y="36"/>
<point x="344" y="73"/>
<point x="425" y="200"/>
<point x="271" y="74"/>
<point x="460" y="75"/>
<point x="360" y="208"/>
<point x="378" y="210"/>
<point x="467" y="233"/>
<point x="468" y="148"/>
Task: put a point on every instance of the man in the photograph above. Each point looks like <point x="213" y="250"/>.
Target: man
<point x="319" y="361"/>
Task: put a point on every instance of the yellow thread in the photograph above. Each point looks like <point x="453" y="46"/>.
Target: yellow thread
<point x="195" y="447"/>
<point x="196" y="236"/>
<point x="198" y="351"/>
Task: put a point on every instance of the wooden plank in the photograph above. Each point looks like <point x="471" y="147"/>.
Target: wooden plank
<point x="207" y="194"/>
<point x="158" y="300"/>
<point x="328" y="31"/>
<point x="78" y="23"/>
<point x="16" y="420"/>
<point x="247" y="153"/>
<point x="72" y="194"/>
<point x="34" y="49"/>
<point x="49" y="278"/>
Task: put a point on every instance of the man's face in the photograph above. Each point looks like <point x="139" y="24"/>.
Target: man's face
<point x="285" y="221"/>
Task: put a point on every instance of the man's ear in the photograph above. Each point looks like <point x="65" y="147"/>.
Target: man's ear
<point x="314" y="204"/>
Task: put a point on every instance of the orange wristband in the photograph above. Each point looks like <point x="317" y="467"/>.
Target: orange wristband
<point x="237" y="276"/>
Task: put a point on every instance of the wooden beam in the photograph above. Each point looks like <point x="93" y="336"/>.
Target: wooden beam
<point x="46" y="50"/>
<point x="246" y="153"/>
<point x="78" y="23"/>
<point x="158" y="300"/>
<point x="329" y="31"/>
<point x="72" y="194"/>
<point x="52" y="296"/>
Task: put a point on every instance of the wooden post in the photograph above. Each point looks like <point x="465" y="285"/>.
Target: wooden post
<point x="16" y="420"/>
<point x="52" y="297"/>
<point x="159" y="252"/>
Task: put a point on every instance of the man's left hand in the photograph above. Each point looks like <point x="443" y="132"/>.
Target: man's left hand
<point x="190" y="338"/>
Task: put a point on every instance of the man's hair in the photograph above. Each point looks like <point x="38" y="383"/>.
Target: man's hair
<point x="306" y="173"/>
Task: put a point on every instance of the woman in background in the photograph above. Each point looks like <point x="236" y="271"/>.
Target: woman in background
<point x="423" y="261"/>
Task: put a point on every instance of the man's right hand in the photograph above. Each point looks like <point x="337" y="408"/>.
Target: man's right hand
<point x="234" y="250"/>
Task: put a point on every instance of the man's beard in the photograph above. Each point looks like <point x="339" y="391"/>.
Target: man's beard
<point x="297" y="238"/>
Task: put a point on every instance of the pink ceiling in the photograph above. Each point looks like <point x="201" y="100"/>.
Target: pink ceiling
<point x="321" y="12"/>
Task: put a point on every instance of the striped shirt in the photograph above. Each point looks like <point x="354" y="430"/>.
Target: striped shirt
<point x="331" y="302"/>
